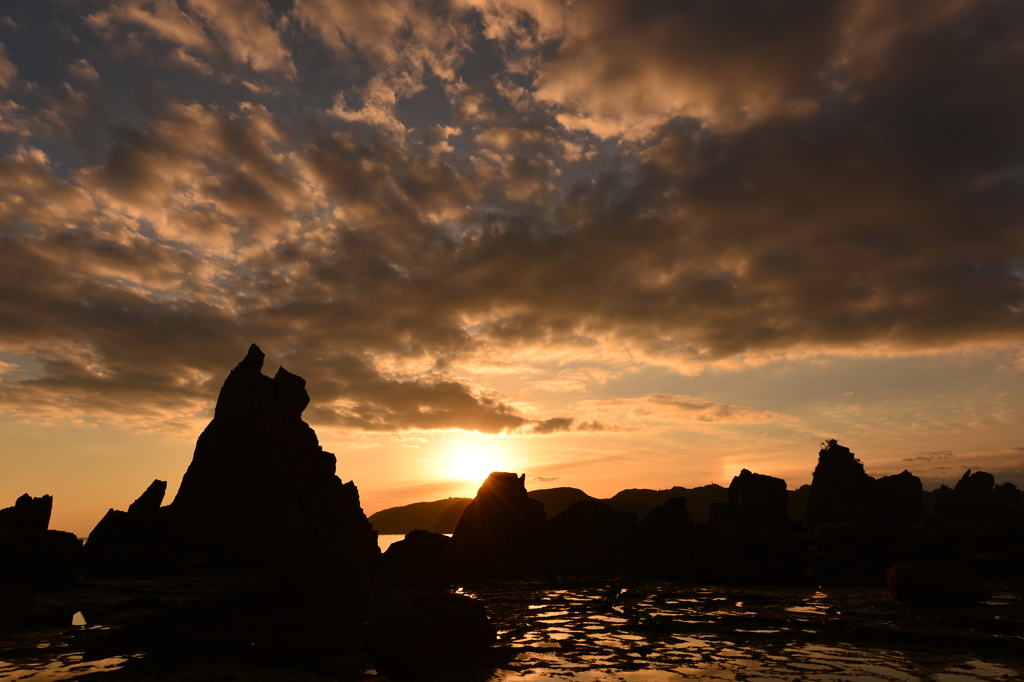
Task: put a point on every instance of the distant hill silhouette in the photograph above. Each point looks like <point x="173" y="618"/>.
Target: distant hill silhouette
<point x="442" y="516"/>
<point x="439" y="516"/>
<point x="557" y="500"/>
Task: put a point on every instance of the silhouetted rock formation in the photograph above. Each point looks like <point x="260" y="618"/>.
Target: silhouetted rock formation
<point x="260" y="480"/>
<point x="259" y="484"/>
<point x="32" y="554"/>
<point x="439" y="516"/>
<point x="28" y="515"/>
<point x="935" y="583"/>
<point x="417" y="562"/>
<point x="841" y="492"/>
<point x="971" y="500"/>
<point x="838" y="489"/>
<point x="410" y="631"/>
<point x="557" y="500"/>
<point x="898" y="500"/>
<point x="132" y="542"/>
<point x="501" y="531"/>
<point x="669" y="522"/>
<point x="761" y="500"/>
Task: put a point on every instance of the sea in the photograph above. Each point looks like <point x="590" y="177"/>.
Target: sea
<point x="564" y="629"/>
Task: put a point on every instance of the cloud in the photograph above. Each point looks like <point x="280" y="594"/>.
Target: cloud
<point x="930" y="457"/>
<point x="552" y="425"/>
<point x="8" y="72"/>
<point x="606" y="186"/>
<point x="245" y="29"/>
<point x="662" y="410"/>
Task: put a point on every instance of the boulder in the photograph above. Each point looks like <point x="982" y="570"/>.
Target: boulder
<point x="761" y="500"/>
<point x="417" y="562"/>
<point x="28" y="515"/>
<point x="501" y="531"/>
<point x="16" y="602"/>
<point x="935" y="583"/>
<point x="411" y="631"/>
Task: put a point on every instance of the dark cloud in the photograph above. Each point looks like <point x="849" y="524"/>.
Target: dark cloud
<point x="552" y="425"/>
<point x="672" y="183"/>
<point x="930" y="457"/>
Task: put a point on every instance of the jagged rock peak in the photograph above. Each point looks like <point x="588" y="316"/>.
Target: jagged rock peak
<point x="249" y="394"/>
<point x="28" y="515"/>
<point x="254" y="358"/>
<point x="831" y="450"/>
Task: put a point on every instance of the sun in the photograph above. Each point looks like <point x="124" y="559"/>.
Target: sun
<point x="474" y="462"/>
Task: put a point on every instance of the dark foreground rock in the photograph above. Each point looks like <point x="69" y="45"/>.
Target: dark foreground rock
<point x="418" y="562"/>
<point x="411" y="631"/>
<point x="936" y="583"/>
<point x="16" y="602"/>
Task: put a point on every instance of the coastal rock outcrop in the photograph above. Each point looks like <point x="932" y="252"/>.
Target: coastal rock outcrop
<point x="841" y="493"/>
<point x="28" y="515"/>
<point x="259" y="485"/>
<point x="839" y="488"/>
<point x="130" y="542"/>
<point x="31" y="553"/>
<point x="259" y="479"/>
<point x="760" y="500"/>
<point x="501" y="531"/>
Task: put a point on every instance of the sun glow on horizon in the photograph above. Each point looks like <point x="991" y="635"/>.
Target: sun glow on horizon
<point x="473" y="461"/>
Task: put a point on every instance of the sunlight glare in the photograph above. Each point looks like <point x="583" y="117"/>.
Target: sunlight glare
<point x="474" y="462"/>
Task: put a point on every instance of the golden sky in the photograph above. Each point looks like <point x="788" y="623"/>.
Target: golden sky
<point x="608" y="244"/>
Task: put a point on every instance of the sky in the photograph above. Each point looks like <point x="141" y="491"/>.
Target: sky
<point x="606" y="244"/>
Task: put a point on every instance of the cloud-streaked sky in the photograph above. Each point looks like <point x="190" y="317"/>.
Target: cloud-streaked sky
<point x="610" y="244"/>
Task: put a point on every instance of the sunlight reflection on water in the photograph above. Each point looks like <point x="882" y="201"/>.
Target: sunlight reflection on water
<point x="661" y="637"/>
